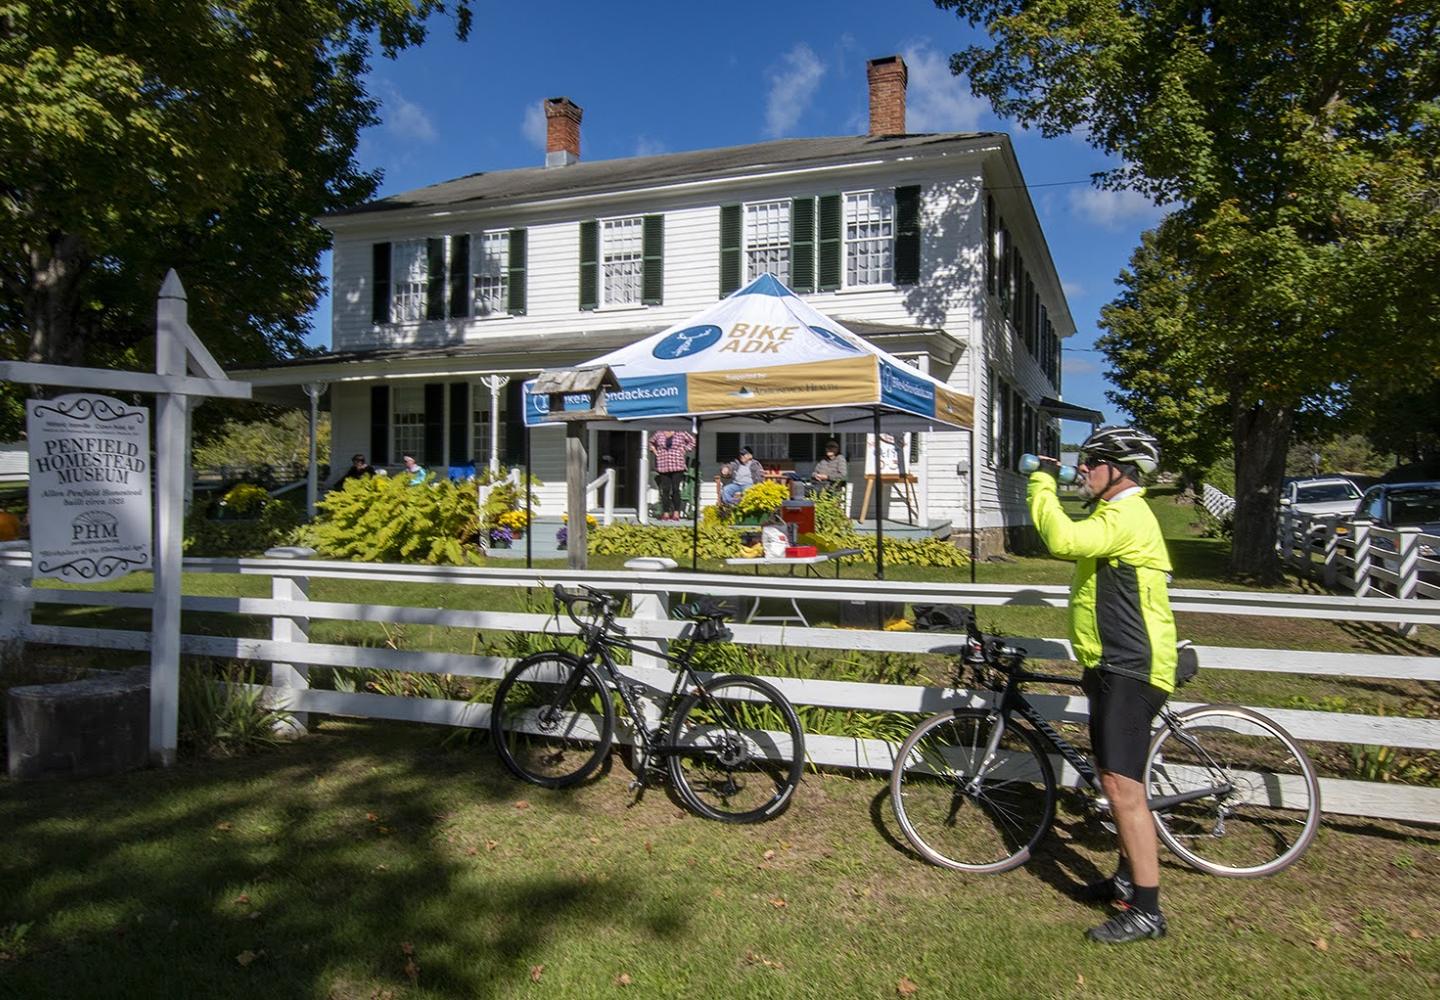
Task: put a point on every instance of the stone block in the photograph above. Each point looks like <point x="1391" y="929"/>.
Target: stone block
<point x="100" y="725"/>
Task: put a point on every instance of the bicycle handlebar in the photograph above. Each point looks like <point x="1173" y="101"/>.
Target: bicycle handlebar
<point x="605" y="605"/>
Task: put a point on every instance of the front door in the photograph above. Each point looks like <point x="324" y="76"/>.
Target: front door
<point x="620" y="450"/>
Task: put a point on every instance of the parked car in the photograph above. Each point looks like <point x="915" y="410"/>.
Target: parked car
<point x="1404" y="505"/>
<point x="1320" y="495"/>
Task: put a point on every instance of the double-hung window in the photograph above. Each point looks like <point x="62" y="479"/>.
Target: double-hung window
<point x="408" y="420"/>
<point x="869" y="238"/>
<point x="409" y="277"/>
<point x="767" y="240"/>
<point x="490" y="272"/>
<point x="622" y="261"/>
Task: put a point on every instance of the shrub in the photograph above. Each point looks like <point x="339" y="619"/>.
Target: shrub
<point x="385" y="519"/>
<point x="245" y="521"/>
<point x="717" y="541"/>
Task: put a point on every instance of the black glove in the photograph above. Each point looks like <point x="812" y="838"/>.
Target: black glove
<point x="1050" y="467"/>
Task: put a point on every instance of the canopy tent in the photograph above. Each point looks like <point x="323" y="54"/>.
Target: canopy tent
<point x="765" y="357"/>
<point x="764" y="354"/>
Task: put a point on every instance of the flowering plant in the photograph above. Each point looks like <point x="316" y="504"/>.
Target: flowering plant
<point x="515" y="520"/>
<point x="589" y="519"/>
<point x="562" y="536"/>
<point x="501" y="536"/>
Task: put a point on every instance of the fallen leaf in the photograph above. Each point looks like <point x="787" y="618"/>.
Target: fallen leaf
<point x="223" y="826"/>
<point x="768" y="855"/>
<point x="490" y="845"/>
<point x="406" y="948"/>
<point x="779" y="903"/>
<point x="906" y="987"/>
<point x="384" y="830"/>
<point x="372" y="817"/>
<point x="536" y="971"/>
<point x="242" y="900"/>
<point x="1079" y="979"/>
<point x="255" y="915"/>
<point x="382" y="868"/>
<point x="1415" y="934"/>
<point x="757" y="959"/>
<point x="594" y="840"/>
<point x="649" y="847"/>
<point x="623" y="979"/>
<point x="522" y="804"/>
<point x="1321" y="944"/>
<point x="5" y="956"/>
<point x="247" y="956"/>
<point x="412" y="971"/>
<point x="472" y="851"/>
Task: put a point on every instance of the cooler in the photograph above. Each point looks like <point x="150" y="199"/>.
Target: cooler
<point x="800" y="513"/>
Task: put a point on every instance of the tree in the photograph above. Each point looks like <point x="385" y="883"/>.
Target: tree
<point x="1298" y="143"/>
<point x="196" y="134"/>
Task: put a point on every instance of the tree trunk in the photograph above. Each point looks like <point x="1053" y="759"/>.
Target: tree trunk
<point x="52" y="301"/>
<point x="1261" y="439"/>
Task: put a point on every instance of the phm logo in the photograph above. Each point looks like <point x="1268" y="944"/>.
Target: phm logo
<point x="834" y="339"/>
<point x="95" y="526"/>
<point x="691" y="340"/>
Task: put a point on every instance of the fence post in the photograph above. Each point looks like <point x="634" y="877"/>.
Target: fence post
<point x="1362" y="556"/>
<point x="650" y="605"/>
<point x="14" y="614"/>
<point x="286" y="678"/>
<point x="1330" y="574"/>
<point x="1408" y="547"/>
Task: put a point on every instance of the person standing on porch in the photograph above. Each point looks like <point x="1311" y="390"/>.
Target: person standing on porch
<point x="672" y="451"/>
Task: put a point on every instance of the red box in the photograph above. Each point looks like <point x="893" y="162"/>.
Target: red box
<point x="800" y="551"/>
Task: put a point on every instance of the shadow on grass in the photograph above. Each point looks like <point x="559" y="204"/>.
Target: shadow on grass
<point x="304" y="872"/>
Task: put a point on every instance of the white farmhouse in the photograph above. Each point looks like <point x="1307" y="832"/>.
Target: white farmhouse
<point x="448" y="297"/>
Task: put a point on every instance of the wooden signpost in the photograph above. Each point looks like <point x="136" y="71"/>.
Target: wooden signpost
<point x="184" y="370"/>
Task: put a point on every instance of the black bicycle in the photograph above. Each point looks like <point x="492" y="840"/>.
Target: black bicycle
<point x="732" y="744"/>
<point x="1231" y="792"/>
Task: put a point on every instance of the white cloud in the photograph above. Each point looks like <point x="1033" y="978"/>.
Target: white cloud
<point x="792" y="88"/>
<point x="1114" y="210"/>
<point x="646" y="146"/>
<point x="937" y="100"/>
<point x="1072" y="289"/>
<point x="533" y="125"/>
<point x="1078" y="364"/>
<point x="403" y="118"/>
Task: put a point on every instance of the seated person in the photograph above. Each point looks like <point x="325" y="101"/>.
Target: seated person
<point x="830" y="472"/>
<point x="359" y="469"/>
<point x="413" y="469"/>
<point x="740" y="475"/>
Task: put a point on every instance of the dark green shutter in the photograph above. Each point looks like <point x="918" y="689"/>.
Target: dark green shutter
<point x="726" y="445"/>
<point x="831" y="249"/>
<point x="515" y="294"/>
<point x="380" y="283"/>
<point x="435" y="278"/>
<point x="379" y="425"/>
<point x="729" y="249"/>
<point x="802" y="244"/>
<point x="801" y="447"/>
<point x="652" y="275"/>
<point x="907" y="235"/>
<point x="514" y="435"/>
<point x="434" y="424"/>
<point x="459" y="422"/>
<point x="459" y="277"/>
<point x="589" y="264"/>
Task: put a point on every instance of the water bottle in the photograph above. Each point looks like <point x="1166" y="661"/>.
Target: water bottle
<point x="1030" y="463"/>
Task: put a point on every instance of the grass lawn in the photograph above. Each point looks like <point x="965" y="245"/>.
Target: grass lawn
<point x="369" y="862"/>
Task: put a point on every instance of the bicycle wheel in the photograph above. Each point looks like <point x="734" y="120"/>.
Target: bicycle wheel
<point x="552" y="720"/>
<point x="736" y="750"/>
<point x="1265" y="805"/>
<point x="962" y="811"/>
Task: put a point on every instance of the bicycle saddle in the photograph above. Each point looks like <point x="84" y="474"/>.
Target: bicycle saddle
<point x="704" y="609"/>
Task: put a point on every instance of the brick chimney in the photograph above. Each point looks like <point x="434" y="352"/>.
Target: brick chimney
<point x="888" y="77"/>
<point x="562" y="132"/>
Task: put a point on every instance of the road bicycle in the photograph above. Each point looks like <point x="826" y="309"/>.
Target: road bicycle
<point x="732" y="744"/>
<point x="1232" y="793"/>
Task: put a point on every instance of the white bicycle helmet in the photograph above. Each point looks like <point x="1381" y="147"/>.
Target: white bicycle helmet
<point x="1123" y="446"/>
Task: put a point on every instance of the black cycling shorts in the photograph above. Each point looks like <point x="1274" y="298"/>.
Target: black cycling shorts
<point x="1121" y="709"/>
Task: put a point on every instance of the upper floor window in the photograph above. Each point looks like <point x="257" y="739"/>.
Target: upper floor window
<point x="869" y="238"/>
<point x="622" y="261"/>
<point x="767" y="240"/>
<point x="409" y="279"/>
<point x="490" y="266"/>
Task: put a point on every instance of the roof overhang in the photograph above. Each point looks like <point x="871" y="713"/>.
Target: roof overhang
<point x="1069" y="411"/>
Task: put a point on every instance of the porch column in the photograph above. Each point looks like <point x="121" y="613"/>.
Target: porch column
<point x="643" y="505"/>
<point x="312" y="478"/>
<point x="495" y="383"/>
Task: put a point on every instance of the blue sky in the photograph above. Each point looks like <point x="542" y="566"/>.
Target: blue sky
<point x="657" y="77"/>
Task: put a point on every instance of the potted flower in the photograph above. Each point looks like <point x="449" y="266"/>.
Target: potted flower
<point x="516" y="521"/>
<point x="562" y="536"/>
<point x="500" y="538"/>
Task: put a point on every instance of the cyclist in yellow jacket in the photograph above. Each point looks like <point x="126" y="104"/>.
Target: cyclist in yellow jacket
<point x="1124" y="636"/>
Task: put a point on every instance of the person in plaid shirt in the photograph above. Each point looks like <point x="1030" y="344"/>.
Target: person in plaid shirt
<point x="671" y="448"/>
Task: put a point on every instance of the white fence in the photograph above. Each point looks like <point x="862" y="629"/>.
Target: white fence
<point x="1220" y="504"/>
<point x="290" y="612"/>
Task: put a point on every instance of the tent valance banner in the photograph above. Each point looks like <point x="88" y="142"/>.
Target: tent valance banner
<point x="764" y="352"/>
<point x="90" y="502"/>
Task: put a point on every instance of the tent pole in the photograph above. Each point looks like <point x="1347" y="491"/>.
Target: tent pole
<point x="525" y="485"/>
<point x="974" y="546"/>
<point x="879" y="504"/>
<point x="695" y="502"/>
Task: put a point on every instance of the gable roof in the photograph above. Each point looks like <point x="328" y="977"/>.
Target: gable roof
<point x="599" y="176"/>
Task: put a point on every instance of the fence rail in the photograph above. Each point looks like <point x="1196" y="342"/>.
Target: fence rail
<point x="290" y="652"/>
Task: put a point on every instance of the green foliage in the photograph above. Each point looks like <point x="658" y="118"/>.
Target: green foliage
<point x="220" y="718"/>
<point x="284" y="440"/>
<point x="717" y="541"/>
<point x="1341" y="453"/>
<point x="505" y="496"/>
<point x="385" y="519"/>
<point x="140" y="135"/>
<point x="763" y="499"/>
<point x="244" y="522"/>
